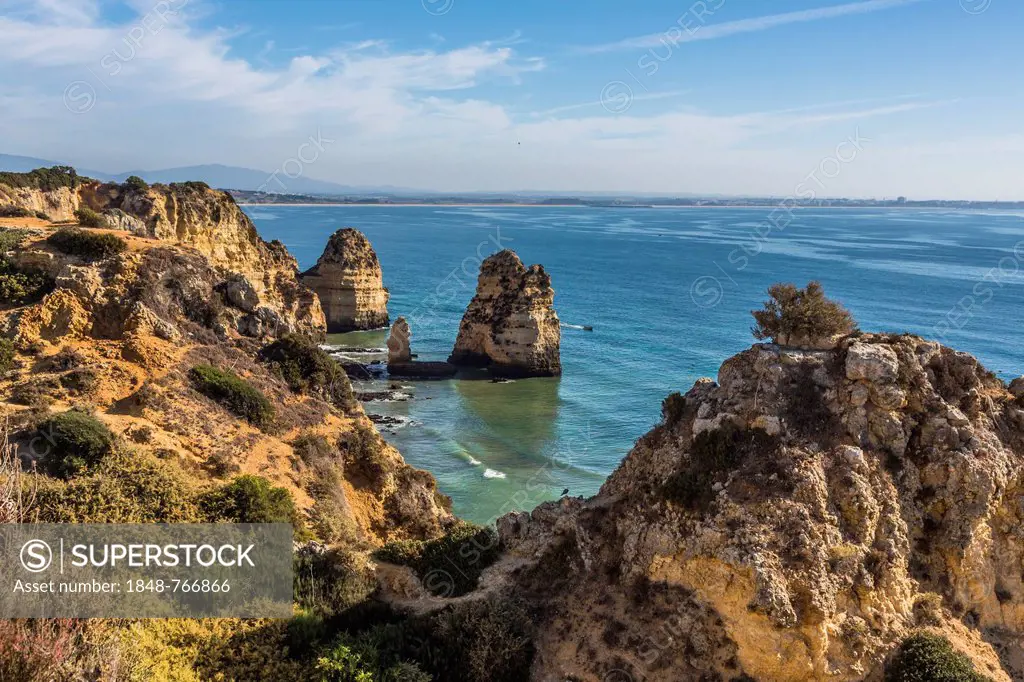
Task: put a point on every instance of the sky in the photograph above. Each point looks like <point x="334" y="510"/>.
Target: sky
<point x="869" y="98"/>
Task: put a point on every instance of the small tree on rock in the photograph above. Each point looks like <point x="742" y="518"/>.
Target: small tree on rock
<point x="800" y="316"/>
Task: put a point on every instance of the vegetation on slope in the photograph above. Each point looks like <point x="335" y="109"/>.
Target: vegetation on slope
<point x="234" y="393"/>
<point x="94" y="246"/>
<point x="926" y="657"/>
<point x="307" y="368"/>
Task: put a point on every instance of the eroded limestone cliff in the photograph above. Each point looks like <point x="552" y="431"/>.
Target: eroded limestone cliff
<point x="510" y="325"/>
<point x="264" y="275"/>
<point x="350" y="284"/>
<point x="120" y="335"/>
<point x="795" y="520"/>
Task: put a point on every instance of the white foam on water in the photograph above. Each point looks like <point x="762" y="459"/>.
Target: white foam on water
<point x="491" y="473"/>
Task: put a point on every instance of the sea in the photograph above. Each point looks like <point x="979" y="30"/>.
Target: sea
<point x="650" y="300"/>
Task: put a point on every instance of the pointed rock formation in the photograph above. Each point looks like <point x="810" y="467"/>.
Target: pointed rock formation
<point x="398" y="342"/>
<point x="348" y="280"/>
<point x="510" y="325"/>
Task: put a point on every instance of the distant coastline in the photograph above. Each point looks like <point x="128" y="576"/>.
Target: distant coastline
<point x="470" y="204"/>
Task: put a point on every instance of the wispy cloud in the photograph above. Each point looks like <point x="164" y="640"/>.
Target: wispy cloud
<point x="754" y="24"/>
<point x="597" y="103"/>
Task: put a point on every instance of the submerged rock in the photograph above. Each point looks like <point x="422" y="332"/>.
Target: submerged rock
<point x="350" y="284"/>
<point x="510" y="326"/>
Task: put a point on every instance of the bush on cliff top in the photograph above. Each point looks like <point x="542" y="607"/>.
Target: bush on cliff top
<point x="794" y="313"/>
<point x="78" y="242"/>
<point x="45" y="179"/>
<point x="234" y="393"/>
<point x="73" y="442"/>
<point x="134" y="182"/>
<point x="307" y="368"/>
<point x="926" y="657"/>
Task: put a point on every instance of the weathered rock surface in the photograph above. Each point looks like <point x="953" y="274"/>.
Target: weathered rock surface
<point x="119" y="337"/>
<point x="795" y="520"/>
<point x="399" y="342"/>
<point x="206" y="220"/>
<point x="349" y="282"/>
<point x="510" y="325"/>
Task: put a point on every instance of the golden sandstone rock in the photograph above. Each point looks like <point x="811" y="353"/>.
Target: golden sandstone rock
<point x="510" y="326"/>
<point x="349" y="282"/>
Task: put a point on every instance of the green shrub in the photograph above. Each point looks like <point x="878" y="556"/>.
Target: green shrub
<point x="7" y="355"/>
<point x="307" y="368"/>
<point x="362" y="451"/>
<point x="251" y="499"/>
<point x="234" y="393"/>
<point x="190" y="187"/>
<point x="926" y="657"/>
<point x="15" y="212"/>
<point x="794" y="313"/>
<point x="126" y="487"/>
<point x="341" y="664"/>
<point x="713" y="455"/>
<point x="45" y="179"/>
<point x="134" y="182"/>
<point x="327" y="583"/>
<point x="449" y="566"/>
<point x="306" y="631"/>
<point x="89" y="218"/>
<point x="19" y="286"/>
<point x="73" y="442"/>
<point x="11" y="238"/>
<point x="42" y="215"/>
<point x="487" y="640"/>
<point x="78" y="242"/>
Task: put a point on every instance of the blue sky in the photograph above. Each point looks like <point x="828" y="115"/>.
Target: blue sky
<point x="711" y="96"/>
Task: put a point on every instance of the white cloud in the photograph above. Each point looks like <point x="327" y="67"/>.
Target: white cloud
<point x="692" y="27"/>
<point x="182" y="95"/>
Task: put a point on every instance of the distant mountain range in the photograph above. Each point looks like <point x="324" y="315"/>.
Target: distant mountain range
<point x="215" y="175"/>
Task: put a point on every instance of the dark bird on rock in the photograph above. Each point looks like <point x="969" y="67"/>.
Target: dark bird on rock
<point x="565" y="492"/>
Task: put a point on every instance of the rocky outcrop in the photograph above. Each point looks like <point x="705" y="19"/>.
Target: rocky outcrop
<point x="206" y="220"/>
<point x="795" y="520"/>
<point x="349" y="282"/>
<point x="510" y="325"/>
<point x="398" y="342"/>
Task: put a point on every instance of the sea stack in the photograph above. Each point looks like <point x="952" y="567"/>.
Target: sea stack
<point x="398" y="342"/>
<point x="349" y="282"/>
<point x="510" y="326"/>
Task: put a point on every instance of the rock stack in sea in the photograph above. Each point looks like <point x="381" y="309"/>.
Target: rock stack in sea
<point x="510" y="326"/>
<point x="349" y="282"/>
<point x="398" y="342"/>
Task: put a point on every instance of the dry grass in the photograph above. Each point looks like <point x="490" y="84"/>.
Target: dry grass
<point x="17" y="494"/>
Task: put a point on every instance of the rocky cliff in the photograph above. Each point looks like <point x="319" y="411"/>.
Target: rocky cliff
<point x="510" y="325"/>
<point x="264" y="275"/>
<point x="350" y="284"/>
<point x="116" y="327"/>
<point x="794" y="520"/>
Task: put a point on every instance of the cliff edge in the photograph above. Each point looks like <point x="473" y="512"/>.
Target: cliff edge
<point x="796" y="519"/>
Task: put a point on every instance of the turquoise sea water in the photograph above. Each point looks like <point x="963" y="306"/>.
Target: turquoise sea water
<point x="668" y="293"/>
